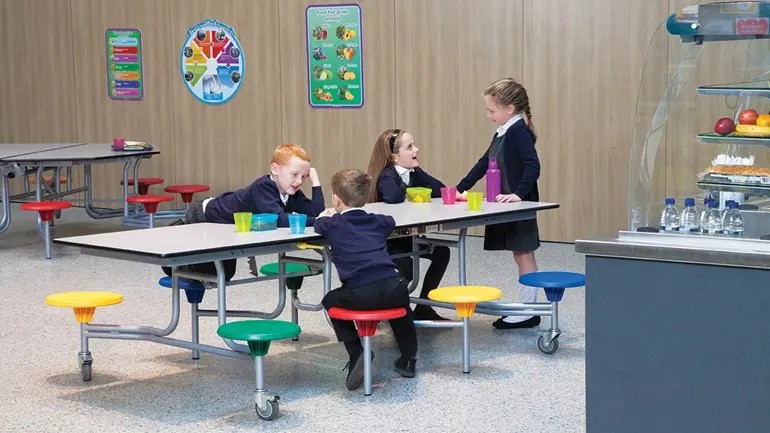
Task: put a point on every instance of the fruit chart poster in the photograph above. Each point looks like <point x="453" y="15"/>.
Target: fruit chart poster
<point x="334" y="58"/>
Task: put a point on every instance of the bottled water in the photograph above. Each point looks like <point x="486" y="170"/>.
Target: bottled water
<point x="727" y="206"/>
<point x="690" y="220"/>
<point x="669" y="218"/>
<point x="706" y="201"/>
<point x="732" y="223"/>
<point x="712" y="220"/>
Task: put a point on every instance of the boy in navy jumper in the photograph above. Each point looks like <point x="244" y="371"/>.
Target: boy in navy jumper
<point x="369" y="276"/>
<point x="277" y="193"/>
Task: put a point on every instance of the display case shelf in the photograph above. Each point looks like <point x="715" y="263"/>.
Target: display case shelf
<point x="753" y="189"/>
<point x="714" y="138"/>
<point x="752" y="88"/>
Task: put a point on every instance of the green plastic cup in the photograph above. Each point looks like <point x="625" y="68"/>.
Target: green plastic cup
<point x="242" y="222"/>
<point x="474" y="200"/>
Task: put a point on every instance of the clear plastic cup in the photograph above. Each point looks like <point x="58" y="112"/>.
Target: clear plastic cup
<point x="297" y="223"/>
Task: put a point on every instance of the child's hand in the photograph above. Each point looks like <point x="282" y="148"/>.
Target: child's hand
<point x="507" y="198"/>
<point x="327" y="213"/>
<point x="462" y="196"/>
<point x="313" y="175"/>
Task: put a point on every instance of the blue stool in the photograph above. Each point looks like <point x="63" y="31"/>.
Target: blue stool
<point x="554" y="284"/>
<point x="193" y="290"/>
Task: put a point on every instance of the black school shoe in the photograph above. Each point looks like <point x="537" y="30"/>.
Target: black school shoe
<point x="406" y="367"/>
<point x="355" y="369"/>
<point x="529" y="323"/>
<point x="424" y="312"/>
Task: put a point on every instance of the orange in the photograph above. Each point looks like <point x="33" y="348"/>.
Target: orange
<point x="763" y="120"/>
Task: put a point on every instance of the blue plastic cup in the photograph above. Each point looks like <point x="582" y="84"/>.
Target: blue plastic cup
<point x="297" y="222"/>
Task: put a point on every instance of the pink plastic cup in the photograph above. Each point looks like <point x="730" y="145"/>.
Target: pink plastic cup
<point x="118" y="143"/>
<point x="448" y="194"/>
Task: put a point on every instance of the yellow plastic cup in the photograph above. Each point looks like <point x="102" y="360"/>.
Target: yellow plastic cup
<point x="242" y="222"/>
<point x="474" y="200"/>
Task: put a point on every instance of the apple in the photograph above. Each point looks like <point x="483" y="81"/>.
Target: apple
<point x="724" y="126"/>
<point x="748" y="117"/>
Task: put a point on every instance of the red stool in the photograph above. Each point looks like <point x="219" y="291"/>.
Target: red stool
<point x="366" y="323"/>
<point x="47" y="179"/>
<point x="145" y="183"/>
<point x="46" y="210"/>
<point x="150" y="203"/>
<point x="186" y="191"/>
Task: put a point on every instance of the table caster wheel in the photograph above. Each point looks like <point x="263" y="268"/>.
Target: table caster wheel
<point x="270" y="412"/>
<point x="548" y="349"/>
<point x="85" y="369"/>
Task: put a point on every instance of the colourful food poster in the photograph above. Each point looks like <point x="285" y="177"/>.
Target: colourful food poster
<point x="125" y="80"/>
<point x="212" y="62"/>
<point x="334" y="56"/>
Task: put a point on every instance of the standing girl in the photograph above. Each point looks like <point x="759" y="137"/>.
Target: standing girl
<point x="513" y="146"/>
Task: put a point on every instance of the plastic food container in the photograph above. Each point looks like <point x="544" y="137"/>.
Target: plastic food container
<point x="418" y="194"/>
<point x="264" y="221"/>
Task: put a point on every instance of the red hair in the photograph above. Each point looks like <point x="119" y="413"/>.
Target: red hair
<point x="285" y="152"/>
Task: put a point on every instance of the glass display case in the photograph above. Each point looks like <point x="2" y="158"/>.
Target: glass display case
<point x="705" y="63"/>
<point x="667" y="295"/>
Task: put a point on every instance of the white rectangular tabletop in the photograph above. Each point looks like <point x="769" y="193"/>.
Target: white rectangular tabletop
<point x="409" y="214"/>
<point x="213" y="240"/>
<point x="83" y="152"/>
<point x="9" y="150"/>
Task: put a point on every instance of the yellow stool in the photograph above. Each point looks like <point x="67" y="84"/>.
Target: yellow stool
<point x="84" y="305"/>
<point x="465" y="299"/>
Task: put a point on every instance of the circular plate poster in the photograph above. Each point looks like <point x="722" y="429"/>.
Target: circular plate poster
<point x="212" y="62"/>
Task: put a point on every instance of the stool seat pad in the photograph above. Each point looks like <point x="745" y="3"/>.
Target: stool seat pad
<point x="186" y="189"/>
<point x="290" y="268"/>
<point x="465" y="294"/>
<point x="553" y="280"/>
<point x="149" y="198"/>
<point x="46" y="206"/>
<point x="183" y="284"/>
<point x="146" y="181"/>
<point x="366" y="315"/>
<point x="259" y="330"/>
<point x="83" y="299"/>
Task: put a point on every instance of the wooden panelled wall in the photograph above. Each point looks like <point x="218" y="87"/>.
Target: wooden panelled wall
<point x="426" y="64"/>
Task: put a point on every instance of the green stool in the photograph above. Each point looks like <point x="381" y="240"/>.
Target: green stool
<point x="258" y="334"/>
<point x="292" y="283"/>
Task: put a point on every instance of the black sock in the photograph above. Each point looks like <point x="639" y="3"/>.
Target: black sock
<point x="354" y="349"/>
